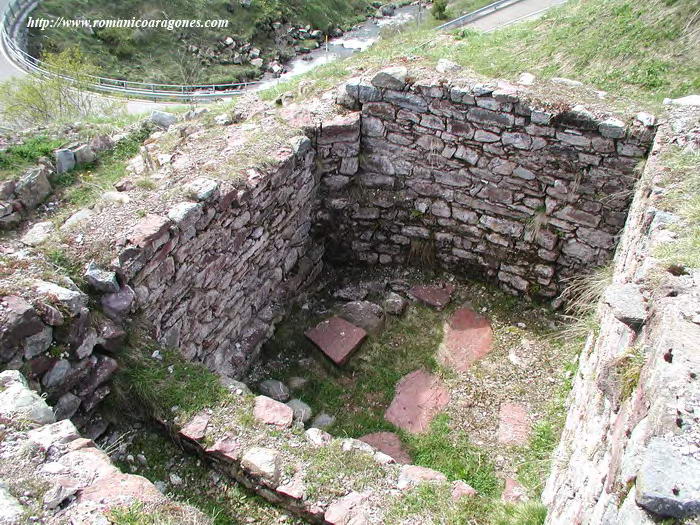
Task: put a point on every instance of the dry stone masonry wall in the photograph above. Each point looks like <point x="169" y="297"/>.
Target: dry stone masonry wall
<point x="629" y="455"/>
<point x="213" y="275"/>
<point x="479" y="175"/>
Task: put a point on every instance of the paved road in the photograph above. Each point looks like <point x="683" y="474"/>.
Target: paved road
<point x="524" y="10"/>
<point x="7" y="68"/>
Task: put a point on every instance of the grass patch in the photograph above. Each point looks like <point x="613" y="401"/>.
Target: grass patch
<point x="629" y="367"/>
<point x="156" y="55"/>
<point x="359" y="470"/>
<point x="447" y="450"/>
<point x="683" y="199"/>
<point x="655" y="52"/>
<point x="359" y="397"/>
<point x="434" y="502"/>
<point x="83" y="187"/>
<point x="155" y="386"/>
<point x="16" y="159"/>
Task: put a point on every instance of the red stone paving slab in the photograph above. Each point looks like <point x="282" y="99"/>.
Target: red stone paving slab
<point x="468" y="337"/>
<point x="337" y="338"/>
<point x="513" y="424"/>
<point x="433" y="295"/>
<point x="514" y="492"/>
<point x="420" y="396"/>
<point x="390" y="444"/>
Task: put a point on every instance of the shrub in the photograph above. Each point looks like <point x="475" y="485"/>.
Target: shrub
<point x="439" y="10"/>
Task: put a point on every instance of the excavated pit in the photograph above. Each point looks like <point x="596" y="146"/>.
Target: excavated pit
<point x="469" y="180"/>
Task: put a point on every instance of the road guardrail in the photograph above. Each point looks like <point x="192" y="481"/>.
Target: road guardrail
<point x="13" y="36"/>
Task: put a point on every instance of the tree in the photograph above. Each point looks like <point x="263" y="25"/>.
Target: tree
<point x="59" y="94"/>
<point x="439" y="10"/>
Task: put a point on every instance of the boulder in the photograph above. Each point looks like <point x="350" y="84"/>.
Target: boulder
<point x="419" y="397"/>
<point x="101" y="280"/>
<point x="337" y="338"/>
<point x="38" y="233"/>
<point x="668" y="481"/>
<point x="627" y="303"/>
<point x="18" y="402"/>
<point x="277" y="390"/>
<point x="163" y="119"/>
<point x="33" y="188"/>
<point x="117" y="305"/>
<point x="72" y="300"/>
<point x="394" y="304"/>
<point x="390" y="444"/>
<point x="272" y="412"/>
<point x="412" y="475"/>
<point x="391" y="78"/>
<point x="322" y="421"/>
<point x="366" y="315"/>
<point x="262" y="462"/>
<point x="302" y="411"/>
<point x="65" y="160"/>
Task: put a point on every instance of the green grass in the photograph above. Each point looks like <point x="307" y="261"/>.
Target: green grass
<point x="145" y="384"/>
<point x="84" y="186"/>
<point x="358" y="401"/>
<point x="683" y="199"/>
<point x="159" y="55"/>
<point x="321" y="478"/>
<point x="653" y="53"/>
<point x="17" y="158"/>
<point x="448" y="450"/>
<point x="434" y="501"/>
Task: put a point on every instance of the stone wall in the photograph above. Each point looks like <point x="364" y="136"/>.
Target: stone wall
<point x="213" y="274"/>
<point x="480" y="178"/>
<point x="65" y="349"/>
<point x="50" y="474"/>
<point x="629" y="455"/>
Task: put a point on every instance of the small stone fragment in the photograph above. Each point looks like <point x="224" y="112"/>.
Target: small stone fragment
<point x="302" y="411"/>
<point x="272" y="412"/>
<point x="262" y="462"/>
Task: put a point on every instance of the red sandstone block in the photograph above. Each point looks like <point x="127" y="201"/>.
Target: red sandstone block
<point x="337" y="338"/>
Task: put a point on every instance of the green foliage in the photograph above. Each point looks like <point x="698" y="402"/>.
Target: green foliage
<point x="629" y="367"/>
<point x="226" y="504"/>
<point x="160" y="55"/>
<point x="434" y="502"/>
<point x="34" y="100"/>
<point x="448" y="450"/>
<point x="682" y="198"/>
<point x="84" y="186"/>
<point x="156" y="386"/>
<point x="439" y="10"/>
<point x="17" y="158"/>
<point x="405" y="344"/>
<point x="359" y="471"/>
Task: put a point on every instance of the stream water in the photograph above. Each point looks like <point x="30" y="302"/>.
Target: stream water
<point x="357" y="39"/>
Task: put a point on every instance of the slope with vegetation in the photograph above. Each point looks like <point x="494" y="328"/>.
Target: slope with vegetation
<point x="160" y="55"/>
<point x="640" y="50"/>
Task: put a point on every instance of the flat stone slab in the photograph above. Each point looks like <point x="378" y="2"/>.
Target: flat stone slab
<point x="513" y="424"/>
<point x="433" y="295"/>
<point x="468" y="337"/>
<point x="337" y="338"/>
<point x="420" y="396"/>
<point x="412" y="475"/>
<point x="390" y="444"/>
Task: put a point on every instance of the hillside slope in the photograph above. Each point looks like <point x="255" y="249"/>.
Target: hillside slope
<point x="160" y="55"/>
<point x="641" y="50"/>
